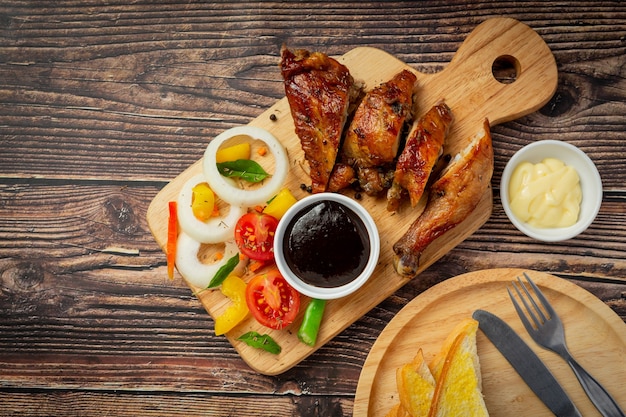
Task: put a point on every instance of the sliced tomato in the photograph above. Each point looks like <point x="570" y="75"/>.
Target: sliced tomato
<point x="254" y="234"/>
<point x="271" y="300"/>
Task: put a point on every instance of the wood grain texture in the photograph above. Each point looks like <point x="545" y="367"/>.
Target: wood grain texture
<point x="103" y="103"/>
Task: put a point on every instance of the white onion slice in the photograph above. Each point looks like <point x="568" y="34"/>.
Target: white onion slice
<point x="191" y="268"/>
<point x="214" y="230"/>
<point x="246" y="197"/>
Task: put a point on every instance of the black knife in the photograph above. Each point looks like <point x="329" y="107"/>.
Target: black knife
<point x="527" y="364"/>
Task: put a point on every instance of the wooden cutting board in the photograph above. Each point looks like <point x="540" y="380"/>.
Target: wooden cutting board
<point x="595" y="334"/>
<point x="472" y="92"/>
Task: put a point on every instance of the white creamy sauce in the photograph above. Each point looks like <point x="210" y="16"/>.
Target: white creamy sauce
<point x="545" y="195"/>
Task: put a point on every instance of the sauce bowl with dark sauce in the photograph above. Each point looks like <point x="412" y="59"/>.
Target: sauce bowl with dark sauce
<point x="326" y="246"/>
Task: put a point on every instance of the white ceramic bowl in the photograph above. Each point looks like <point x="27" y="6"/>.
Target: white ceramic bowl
<point x="313" y="291"/>
<point x="590" y="182"/>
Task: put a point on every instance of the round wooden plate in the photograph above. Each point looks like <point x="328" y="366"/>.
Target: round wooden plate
<point x="595" y="334"/>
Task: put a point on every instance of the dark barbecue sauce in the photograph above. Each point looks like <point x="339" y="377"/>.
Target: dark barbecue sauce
<point x="327" y="245"/>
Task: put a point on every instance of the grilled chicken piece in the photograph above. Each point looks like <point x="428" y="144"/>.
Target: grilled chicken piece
<point x="451" y="199"/>
<point x="424" y="145"/>
<point x="320" y="91"/>
<point x="372" y="139"/>
<point x="343" y="176"/>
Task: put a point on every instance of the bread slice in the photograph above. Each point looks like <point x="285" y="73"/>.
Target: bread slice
<point x="416" y="386"/>
<point x="436" y="363"/>
<point x="459" y="386"/>
<point x="450" y="385"/>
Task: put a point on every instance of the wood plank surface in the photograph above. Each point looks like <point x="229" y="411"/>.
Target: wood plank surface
<point x="103" y="103"/>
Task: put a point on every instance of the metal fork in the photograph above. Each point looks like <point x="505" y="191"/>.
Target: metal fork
<point x="547" y="331"/>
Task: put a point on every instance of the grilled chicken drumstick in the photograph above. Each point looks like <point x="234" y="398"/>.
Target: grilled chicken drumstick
<point x="320" y="91"/>
<point x="451" y="199"/>
<point x="424" y="146"/>
<point x="373" y="137"/>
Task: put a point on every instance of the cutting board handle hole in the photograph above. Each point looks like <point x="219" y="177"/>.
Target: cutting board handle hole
<point x="505" y="69"/>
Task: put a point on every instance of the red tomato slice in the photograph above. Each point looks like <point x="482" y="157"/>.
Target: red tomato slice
<point x="271" y="300"/>
<point x="254" y="234"/>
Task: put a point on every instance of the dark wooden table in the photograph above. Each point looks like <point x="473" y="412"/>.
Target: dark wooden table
<point x="102" y="103"/>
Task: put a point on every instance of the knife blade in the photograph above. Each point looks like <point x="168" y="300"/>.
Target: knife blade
<point x="527" y="364"/>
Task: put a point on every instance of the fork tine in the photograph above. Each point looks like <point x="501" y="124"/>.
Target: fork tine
<point x="538" y="310"/>
<point x="546" y="305"/>
<point x="527" y="324"/>
<point x="529" y="310"/>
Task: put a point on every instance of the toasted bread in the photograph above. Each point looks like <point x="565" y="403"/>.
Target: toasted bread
<point x="450" y="385"/>
<point x="436" y="363"/>
<point x="459" y="387"/>
<point x="416" y="386"/>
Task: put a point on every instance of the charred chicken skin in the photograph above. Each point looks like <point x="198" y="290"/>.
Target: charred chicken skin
<point x="320" y="91"/>
<point x="424" y="146"/>
<point x="454" y="195"/>
<point x="373" y="137"/>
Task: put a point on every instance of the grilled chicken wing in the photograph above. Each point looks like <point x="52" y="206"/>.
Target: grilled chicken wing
<point x="451" y="199"/>
<point x="319" y="90"/>
<point x="343" y="176"/>
<point x="424" y="146"/>
<point x="372" y="139"/>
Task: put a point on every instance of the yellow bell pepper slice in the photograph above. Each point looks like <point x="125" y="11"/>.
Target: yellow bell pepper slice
<point x="203" y="202"/>
<point x="234" y="288"/>
<point x="233" y="153"/>
<point x="279" y="205"/>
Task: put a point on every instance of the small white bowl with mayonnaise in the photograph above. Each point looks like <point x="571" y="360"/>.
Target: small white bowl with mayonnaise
<point x="551" y="190"/>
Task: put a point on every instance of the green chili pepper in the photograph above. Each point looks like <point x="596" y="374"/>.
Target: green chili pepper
<point x="261" y="341"/>
<point x="311" y="322"/>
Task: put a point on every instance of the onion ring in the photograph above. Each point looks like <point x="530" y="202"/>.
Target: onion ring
<point x="191" y="268"/>
<point x="237" y="196"/>
<point x="214" y="230"/>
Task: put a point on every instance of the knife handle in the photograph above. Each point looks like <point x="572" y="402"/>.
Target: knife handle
<point x="596" y="392"/>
